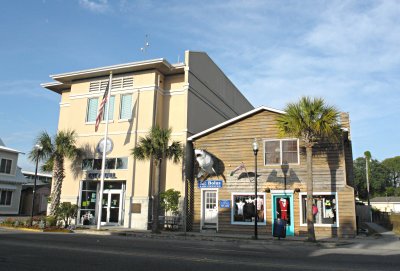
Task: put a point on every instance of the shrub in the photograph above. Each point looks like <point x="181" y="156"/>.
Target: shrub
<point x="51" y="221"/>
<point x="169" y="201"/>
<point x="65" y="212"/>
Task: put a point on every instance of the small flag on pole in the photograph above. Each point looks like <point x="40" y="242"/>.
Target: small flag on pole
<point x="240" y="167"/>
<point x="100" y="112"/>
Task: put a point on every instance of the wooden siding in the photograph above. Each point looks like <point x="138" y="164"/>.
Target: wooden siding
<point x="231" y="146"/>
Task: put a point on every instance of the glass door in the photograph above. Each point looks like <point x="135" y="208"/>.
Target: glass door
<point x="282" y="208"/>
<point x="111" y="212"/>
<point x="210" y="208"/>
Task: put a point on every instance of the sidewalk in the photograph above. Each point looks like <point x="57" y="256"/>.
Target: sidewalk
<point x="217" y="237"/>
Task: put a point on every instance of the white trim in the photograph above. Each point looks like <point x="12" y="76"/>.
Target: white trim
<point x="94" y="94"/>
<point x="4" y="148"/>
<point x="282" y="191"/>
<point x="65" y="104"/>
<point x="302" y="224"/>
<point x="113" y="67"/>
<point x="240" y="117"/>
<point x="248" y="194"/>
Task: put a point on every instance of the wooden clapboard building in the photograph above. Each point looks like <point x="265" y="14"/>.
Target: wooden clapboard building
<point x="225" y="200"/>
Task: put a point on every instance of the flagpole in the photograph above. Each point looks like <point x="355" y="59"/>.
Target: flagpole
<point x="103" y="161"/>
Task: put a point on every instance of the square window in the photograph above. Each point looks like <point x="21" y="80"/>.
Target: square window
<point x="278" y="152"/>
<point x="244" y="208"/>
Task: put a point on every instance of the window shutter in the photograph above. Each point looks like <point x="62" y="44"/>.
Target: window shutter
<point x="111" y="113"/>
<point x="126" y="106"/>
<point x="92" y="109"/>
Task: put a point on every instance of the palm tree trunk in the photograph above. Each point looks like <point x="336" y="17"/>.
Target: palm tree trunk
<point x="58" y="179"/>
<point x="156" y="198"/>
<point x="310" y="217"/>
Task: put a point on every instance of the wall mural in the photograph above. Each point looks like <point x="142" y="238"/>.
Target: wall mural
<point x="208" y="165"/>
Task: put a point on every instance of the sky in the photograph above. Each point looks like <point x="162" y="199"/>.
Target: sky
<point x="346" y="52"/>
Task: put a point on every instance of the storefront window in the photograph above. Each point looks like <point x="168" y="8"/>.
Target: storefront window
<point x="88" y="203"/>
<point x="324" y="209"/>
<point x="244" y="211"/>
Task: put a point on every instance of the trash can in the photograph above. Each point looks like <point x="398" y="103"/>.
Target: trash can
<point x="279" y="228"/>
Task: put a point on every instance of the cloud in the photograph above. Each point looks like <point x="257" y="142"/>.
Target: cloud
<point x="26" y="88"/>
<point x="97" y="6"/>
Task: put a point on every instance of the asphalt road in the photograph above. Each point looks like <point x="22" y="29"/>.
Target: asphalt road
<point x="51" y="251"/>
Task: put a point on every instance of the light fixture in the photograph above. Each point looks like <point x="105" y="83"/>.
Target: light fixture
<point x="255" y="150"/>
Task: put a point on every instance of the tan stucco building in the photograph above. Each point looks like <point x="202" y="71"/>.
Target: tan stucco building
<point x="188" y="97"/>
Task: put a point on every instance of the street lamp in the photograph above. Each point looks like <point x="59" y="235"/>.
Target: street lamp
<point x="38" y="148"/>
<point x="367" y="155"/>
<point x="255" y="150"/>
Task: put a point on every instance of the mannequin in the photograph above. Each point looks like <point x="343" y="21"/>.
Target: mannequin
<point x="284" y="208"/>
<point x="240" y="205"/>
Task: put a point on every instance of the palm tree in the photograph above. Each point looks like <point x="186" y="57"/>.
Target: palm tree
<point x="154" y="147"/>
<point x="53" y="153"/>
<point x="312" y="121"/>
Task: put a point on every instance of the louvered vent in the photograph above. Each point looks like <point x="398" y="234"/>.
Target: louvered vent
<point x="117" y="83"/>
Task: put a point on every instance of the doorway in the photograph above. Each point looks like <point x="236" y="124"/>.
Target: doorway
<point x="111" y="207"/>
<point x="210" y="208"/>
<point x="282" y="208"/>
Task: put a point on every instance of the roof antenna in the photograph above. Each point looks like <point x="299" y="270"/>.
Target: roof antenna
<point x="146" y="44"/>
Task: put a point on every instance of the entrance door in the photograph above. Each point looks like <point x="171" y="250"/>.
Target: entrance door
<point x="282" y="208"/>
<point x="210" y="208"/>
<point x="111" y="213"/>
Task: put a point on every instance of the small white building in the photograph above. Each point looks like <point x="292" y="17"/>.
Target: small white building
<point x="11" y="180"/>
<point x="43" y="186"/>
<point x="386" y="204"/>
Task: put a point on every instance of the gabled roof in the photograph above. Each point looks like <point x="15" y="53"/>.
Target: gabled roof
<point x="4" y="148"/>
<point x="235" y="119"/>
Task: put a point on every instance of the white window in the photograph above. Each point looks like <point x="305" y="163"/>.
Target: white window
<point x="5" y="197"/>
<point x="111" y="114"/>
<point x="126" y="107"/>
<point x="5" y="166"/>
<point x="244" y="208"/>
<point x="281" y="151"/>
<point x="325" y="213"/>
<point x="92" y="109"/>
<point x="111" y="163"/>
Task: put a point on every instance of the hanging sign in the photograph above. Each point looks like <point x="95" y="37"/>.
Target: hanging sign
<point x="210" y="184"/>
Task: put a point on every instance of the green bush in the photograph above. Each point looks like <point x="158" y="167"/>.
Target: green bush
<point x="65" y="212"/>
<point x="51" y="221"/>
<point x="169" y="201"/>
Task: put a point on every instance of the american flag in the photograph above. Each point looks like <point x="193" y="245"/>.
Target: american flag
<point x="240" y="167"/>
<point x="101" y="108"/>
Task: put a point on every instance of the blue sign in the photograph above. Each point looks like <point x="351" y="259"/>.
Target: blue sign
<point x="210" y="184"/>
<point x="225" y="203"/>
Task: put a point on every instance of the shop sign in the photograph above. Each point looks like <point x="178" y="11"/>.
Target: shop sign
<point x="210" y="184"/>
<point x="225" y="203"/>
<point x="98" y="175"/>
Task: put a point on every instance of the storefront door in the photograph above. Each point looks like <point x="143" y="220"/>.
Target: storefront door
<point x="111" y="213"/>
<point x="210" y="208"/>
<point x="282" y="208"/>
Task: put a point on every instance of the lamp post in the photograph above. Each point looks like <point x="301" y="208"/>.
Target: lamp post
<point x="38" y="149"/>
<point x="255" y="150"/>
<point x="367" y="155"/>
